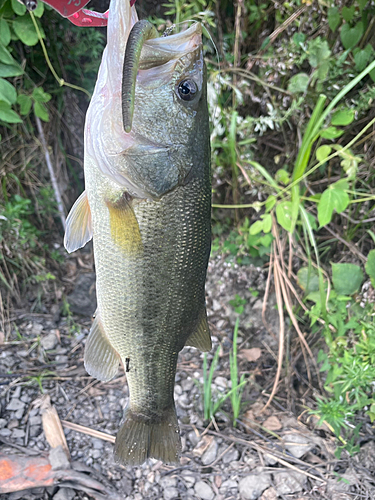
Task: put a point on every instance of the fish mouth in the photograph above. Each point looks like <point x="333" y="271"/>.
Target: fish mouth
<point x="144" y="50"/>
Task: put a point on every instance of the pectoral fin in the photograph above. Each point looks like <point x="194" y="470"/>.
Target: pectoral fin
<point x="124" y="225"/>
<point x="78" y="225"/>
<point x="201" y="338"/>
<point x="100" y="358"/>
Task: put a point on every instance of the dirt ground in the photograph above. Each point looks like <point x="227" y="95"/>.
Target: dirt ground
<point x="271" y="454"/>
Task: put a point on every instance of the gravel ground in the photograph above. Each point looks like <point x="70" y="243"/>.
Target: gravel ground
<point x="272" y="454"/>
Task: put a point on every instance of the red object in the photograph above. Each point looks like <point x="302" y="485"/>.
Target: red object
<point x="75" y="12"/>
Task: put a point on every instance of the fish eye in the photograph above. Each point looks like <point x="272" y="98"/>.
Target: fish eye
<point x="187" y="90"/>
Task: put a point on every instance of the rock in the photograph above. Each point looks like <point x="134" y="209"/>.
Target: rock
<point x="15" y="404"/>
<point x="221" y="382"/>
<point x="228" y="485"/>
<point x="203" y="491"/>
<point x="35" y="420"/>
<point x="5" y="432"/>
<point x="18" y="433"/>
<point x="168" y="482"/>
<point x="231" y="456"/>
<point x="64" y="494"/>
<point x="209" y="455"/>
<point x="96" y="454"/>
<point x="188" y="478"/>
<point x="171" y="493"/>
<point x="58" y="458"/>
<point x="297" y="444"/>
<point x="289" y="482"/>
<point x="18" y="414"/>
<point x="193" y="438"/>
<point x="49" y="341"/>
<point x="36" y="329"/>
<point x="13" y="424"/>
<point x="35" y="430"/>
<point x="3" y="423"/>
<point x="83" y="298"/>
<point x="251" y="487"/>
<point x="269" y="494"/>
<point x="97" y="444"/>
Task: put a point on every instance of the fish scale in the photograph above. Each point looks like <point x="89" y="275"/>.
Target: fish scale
<point x="147" y="207"/>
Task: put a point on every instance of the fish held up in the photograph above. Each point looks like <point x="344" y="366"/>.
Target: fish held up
<point x="147" y="206"/>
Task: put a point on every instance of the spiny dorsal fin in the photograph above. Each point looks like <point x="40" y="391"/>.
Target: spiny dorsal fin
<point x="78" y="225"/>
<point x="201" y="338"/>
<point x="100" y="358"/>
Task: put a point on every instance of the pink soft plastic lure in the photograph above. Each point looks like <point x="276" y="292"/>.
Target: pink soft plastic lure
<point x="75" y="12"/>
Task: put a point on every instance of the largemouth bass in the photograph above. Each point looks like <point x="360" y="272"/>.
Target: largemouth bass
<point x="147" y="206"/>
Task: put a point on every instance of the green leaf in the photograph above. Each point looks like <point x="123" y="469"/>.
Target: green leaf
<point x="362" y="4"/>
<point x="372" y="75"/>
<point x="25" y="104"/>
<point x="282" y="176"/>
<point x="9" y="70"/>
<point x="41" y="111"/>
<point x="372" y="234"/>
<point x="347" y="278"/>
<point x="308" y="279"/>
<point x="323" y="152"/>
<point x="7" y="114"/>
<point x="348" y="13"/>
<point x="331" y="133"/>
<point x="7" y="92"/>
<point x="5" y="56"/>
<point x="267" y="223"/>
<point x="270" y="203"/>
<point x="299" y="38"/>
<point x="331" y="199"/>
<point x="256" y="227"/>
<point x="4" y="32"/>
<point x="343" y="117"/>
<point x="285" y="215"/>
<point x="334" y="19"/>
<point x="40" y="96"/>
<point x="342" y="184"/>
<point x="370" y="266"/>
<point x="318" y="51"/>
<point x="362" y="57"/>
<point x="298" y="83"/>
<point x="18" y="8"/>
<point x="265" y="42"/>
<point x="38" y="12"/>
<point x="25" y="30"/>
<point x="351" y="36"/>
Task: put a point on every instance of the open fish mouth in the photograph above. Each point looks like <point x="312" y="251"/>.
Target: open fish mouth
<point x="144" y="51"/>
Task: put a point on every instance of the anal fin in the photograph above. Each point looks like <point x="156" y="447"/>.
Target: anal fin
<point x="201" y="338"/>
<point x="78" y="225"/>
<point x="100" y="358"/>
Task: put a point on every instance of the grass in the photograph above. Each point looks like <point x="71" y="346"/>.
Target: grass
<point x="212" y="403"/>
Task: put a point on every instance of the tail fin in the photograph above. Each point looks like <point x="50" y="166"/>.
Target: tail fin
<point x="140" y="438"/>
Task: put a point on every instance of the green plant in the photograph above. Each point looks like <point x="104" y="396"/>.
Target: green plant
<point x="349" y="332"/>
<point x="238" y="384"/>
<point x="213" y="403"/>
<point x="40" y="378"/>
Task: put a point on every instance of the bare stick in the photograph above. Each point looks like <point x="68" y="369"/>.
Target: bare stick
<point x="55" y="186"/>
